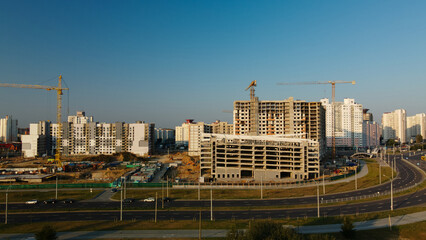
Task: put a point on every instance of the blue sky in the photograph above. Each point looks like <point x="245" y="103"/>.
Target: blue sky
<point x="165" y="61"/>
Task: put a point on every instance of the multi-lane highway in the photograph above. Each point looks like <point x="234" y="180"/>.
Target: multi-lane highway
<point x="407" y="176"/>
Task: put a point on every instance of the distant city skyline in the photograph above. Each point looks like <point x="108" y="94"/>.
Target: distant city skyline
<point x="167" y="61"/>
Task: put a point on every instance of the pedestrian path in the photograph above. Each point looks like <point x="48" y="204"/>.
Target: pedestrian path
<point x="220" y="233"/>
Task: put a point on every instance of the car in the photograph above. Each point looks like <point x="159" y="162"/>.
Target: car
<point x="68" y="201"/>
<point x="113" y="189"/>
<point x="32" y="201"/>
<point x="50" y="201"/>
<point x="150" y="199"/>
<point x="166" y="199"/>
<point x="129" y="200"/>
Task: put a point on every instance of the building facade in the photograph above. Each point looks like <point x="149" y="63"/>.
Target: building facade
<point x="8" y="129"/>
<point x="394" y="125"/>
<point x="416" y="125"/>
<point x="290" y="118"/>
<point x="259" y="158"/>
<point x="94" y="138"/>
<point x="347" y="120"/>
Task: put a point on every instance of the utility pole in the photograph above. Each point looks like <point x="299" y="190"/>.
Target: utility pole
<point x="56" y="195"/>
<point x="162" y="195"/>
<point x="199" y="228"/>
<point x="391" y="207"/>
<point x="356" y="182"/>
<point x="156" y="207"/>
<point x="121" y="200"/>
<point x="323" y="182"/>
<point x="318" y="202"/>
<point x="5" y="217"/>
<point x="199" y="196"/>
<point x="261" y="187"/>
<point x="211" y="202"/>
<point x="380" y="172"/>
<point x="167" y="186"/>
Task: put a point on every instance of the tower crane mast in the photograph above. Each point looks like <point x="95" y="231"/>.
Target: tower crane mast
<point x="59" y="91"/>
<point x="333" y="96"/>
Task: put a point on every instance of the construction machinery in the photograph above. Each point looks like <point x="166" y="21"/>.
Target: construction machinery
<point x="59" y="91"/>
<point x="254" y="103"/>
<point x="333" y="95"/>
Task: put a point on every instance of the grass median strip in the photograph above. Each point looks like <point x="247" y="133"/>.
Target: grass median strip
<point x="22" y="196"/>
<point x="371" y="179"/>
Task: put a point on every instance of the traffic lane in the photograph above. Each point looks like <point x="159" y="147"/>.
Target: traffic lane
<point x="407" y="176"/>
<point x="382" y="205"/>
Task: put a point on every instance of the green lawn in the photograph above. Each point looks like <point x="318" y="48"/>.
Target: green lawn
<point x="371" y="179"/>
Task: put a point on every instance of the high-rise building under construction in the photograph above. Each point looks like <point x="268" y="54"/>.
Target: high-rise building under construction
<point x="289" y="118"/>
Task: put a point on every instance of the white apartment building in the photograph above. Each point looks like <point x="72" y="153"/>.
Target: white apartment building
<point x="37" y="143"/>
<point x="347" y="122"/>
<point x="97" y="138"/>
<point x="394" y="125"/>
<point x="267" y="158"/>
<point x="80" y="117"/>
<point x="8" y="130"/>
<point x="416" y="125"/>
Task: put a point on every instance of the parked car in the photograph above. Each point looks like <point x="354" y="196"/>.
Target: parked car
<point x="150" y="199"/>
<point x="167" y="199"/>
<point x="129" y="200"/>
<point x="33" y="201"/>
<point x="50" y="201"/>
<point x="68" y="201"/>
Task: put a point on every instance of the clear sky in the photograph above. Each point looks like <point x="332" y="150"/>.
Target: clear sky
<point x="165" y="61"/>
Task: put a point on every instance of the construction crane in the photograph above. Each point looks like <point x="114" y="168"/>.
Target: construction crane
<point x="59" y="89"/>
<point x="333" y="95"/>
<point x="253" y="124"/>
<point x="251" y="87"/>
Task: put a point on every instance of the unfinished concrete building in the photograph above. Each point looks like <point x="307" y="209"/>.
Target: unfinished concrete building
<point x="267" y="158"/>
<point x="290" y="118"/>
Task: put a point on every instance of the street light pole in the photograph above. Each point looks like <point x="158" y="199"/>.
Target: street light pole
<point x="56" y="195"/>
<point x="318" y="203"/>
<point x="211" y="202"/>
<point x="121" y="200"/>
<point x="5" y="217"/>
<point x="356" y="180"/>
<point x="391" y="186"/>
<point x="261" y="187"/>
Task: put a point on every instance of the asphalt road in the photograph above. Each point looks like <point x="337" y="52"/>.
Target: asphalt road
<point x="407" y="175"/>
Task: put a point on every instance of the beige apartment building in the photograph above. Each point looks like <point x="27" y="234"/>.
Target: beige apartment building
<point x="290" y="118"/>
<point x="259" y="158"/>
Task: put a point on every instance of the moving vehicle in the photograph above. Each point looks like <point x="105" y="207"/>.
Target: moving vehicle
<point x="32" y="201"/>
<point x="50" y="201"/>
<point x="129" y="200"/>
<point x="68" y="201"/>
<point x="150" y="199"/>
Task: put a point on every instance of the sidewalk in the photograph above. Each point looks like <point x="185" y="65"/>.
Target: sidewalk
<point x="216" y="233"/>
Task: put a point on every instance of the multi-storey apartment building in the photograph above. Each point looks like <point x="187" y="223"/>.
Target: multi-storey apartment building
<point x="222" y="127"/>
<point x="268" y="158"/>
<point x="416" y="125"/>
<point x="80" y="117"/>
<point x="394" y="125"/>
<point x="102" y="138"/>
<point x="38" y="141"/>
<point x="190" y="133"/>
<point x="347" y="119"/>
<point x="8" y="129"/>
<point x="164" y="136"/>
<point x="291" y="118"/>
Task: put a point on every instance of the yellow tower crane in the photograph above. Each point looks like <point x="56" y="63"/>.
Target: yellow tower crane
<point x="59" y="93"/>
<point x="333" y="95"/>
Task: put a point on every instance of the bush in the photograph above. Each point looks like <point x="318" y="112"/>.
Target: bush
<point x="46" y="233"/>
<point x="348" y="230"/>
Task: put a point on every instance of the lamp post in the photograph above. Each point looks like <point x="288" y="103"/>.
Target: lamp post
<point x="5" y="212"/>
<point x="391" y="185"/>
<point x="318" y="202"/>
<point x="323" y="180"/>
<point x="121" y="200"/>
<point x="56" y="194"/>
<point x="356" y="179"/>
<point x="211" y="201"/>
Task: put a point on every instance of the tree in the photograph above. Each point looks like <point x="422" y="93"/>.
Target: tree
<point x="348" y="230"/>
<point x="390" y="142"/>
<point x="46" y="233"/>
<point x="419" y="138"/>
